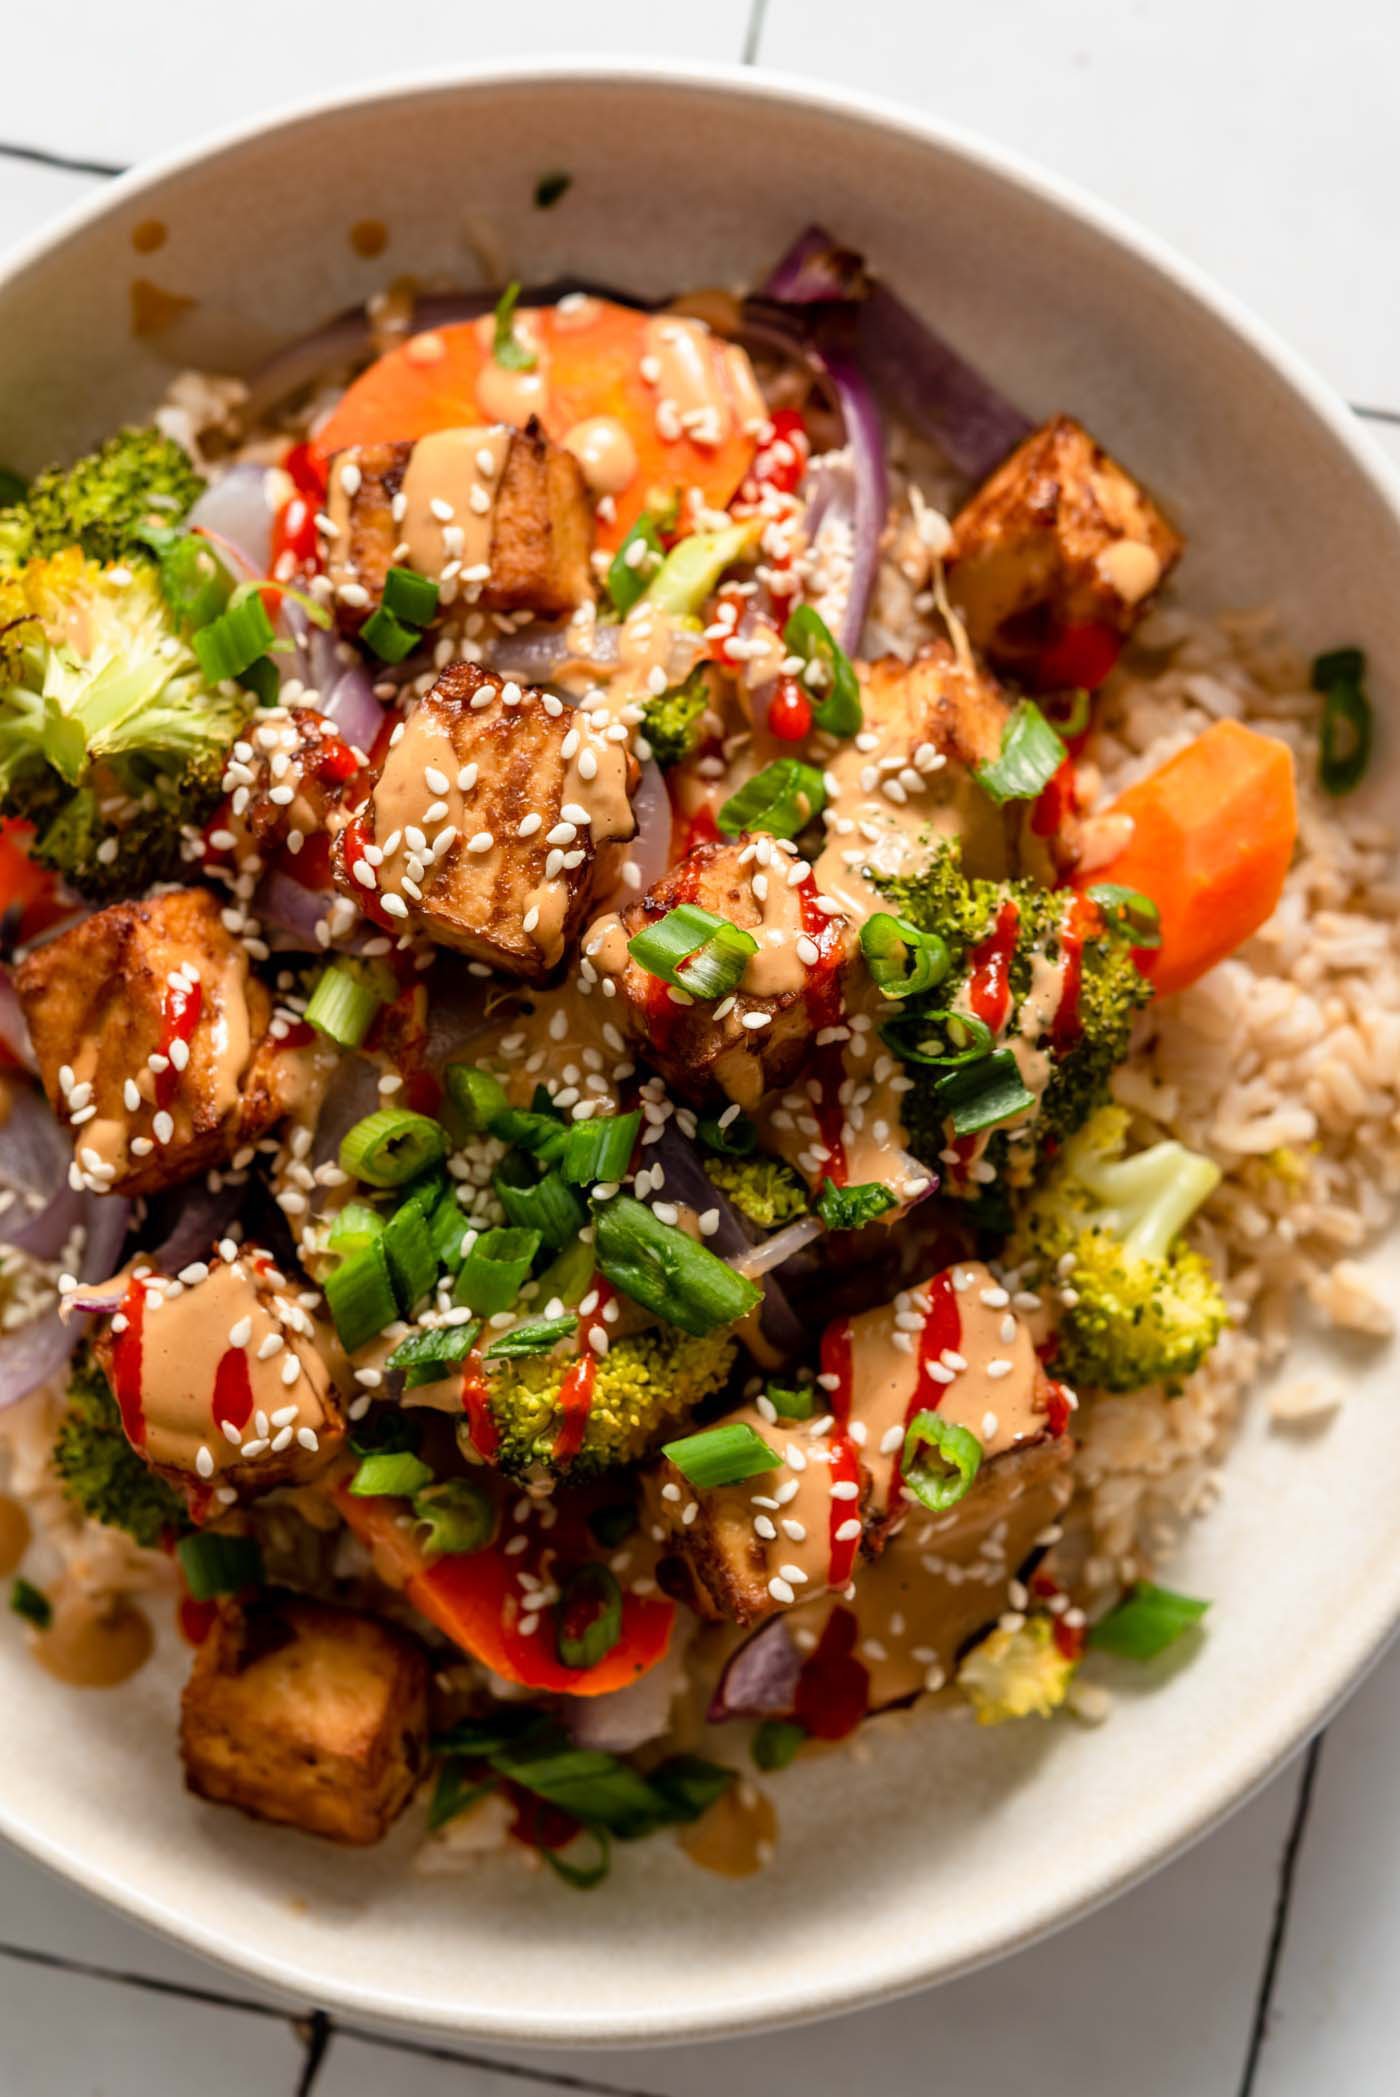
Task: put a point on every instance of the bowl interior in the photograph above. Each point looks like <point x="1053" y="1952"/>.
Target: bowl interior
<point x="948" y="1844"/>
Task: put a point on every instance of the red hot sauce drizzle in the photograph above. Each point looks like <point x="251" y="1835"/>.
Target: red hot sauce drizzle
<point x="825" y="1008"/>
<point x="179" y="1016"/>
<point x="942" y="1330"/>
<point x="1079" y="922"/>
<point x="845" y="1457"/>
<point x="233" y="1389"/>
<point x="126" y="1361"/>
<point x="481" y="1424"/>
<point x="576" y="1391"/>
<point x="989" y="985"/>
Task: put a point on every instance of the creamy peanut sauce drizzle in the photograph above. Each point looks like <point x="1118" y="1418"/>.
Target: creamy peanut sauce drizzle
<point x="92" y="1642"/>
<point x="605" y="451"/>
<point x="704" y="387"/>
<point x="736" y="1836"/>
<point x="187" y="1333"/>
<point x="14" y="1534"/>
<point x="512" y="396"/>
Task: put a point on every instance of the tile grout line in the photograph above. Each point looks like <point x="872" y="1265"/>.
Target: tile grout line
<point x="546" y="2079"/>
<point x="316" y="2035"/>
<point x="1283" y="1902"/>
<point x="753" y="33"/>
<point x="64" y="163"/>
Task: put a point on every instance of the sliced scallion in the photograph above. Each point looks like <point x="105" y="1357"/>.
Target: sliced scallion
<point x="342" y="1007"/>
<point x="390" y="1473"/>
<point x="828" y="677"/>
<point x="494" y="1269"/>
<point x="792" y="1401"/>
<point x="31" y="1603"/>
<point x="903" y="961"/>
<point x="983" y="1093"/>
<point x="410" y="596"/>
<point x="534" y="1336"/>
<point x="478" y="1096"/>
<point x="782" y="799"/>
<point x="582" y="1877"/>
<point x="218" y="1565"/>
<point x="354" y="1226"/>
<point x="360" y="1294"/>
<point x="694" y="950"/>
<point x="1128" y="911"/>
<point x="940" y="1040"/>
<point x="229" y="645"/>
<point x="658" y="1266"/>
<point x="389" y="638"/>
<point x="600" y="1149"/>
<point x="940" y="1460"/>
<point x="730" y="1134"/>
<point x="851" y="1208"/>
<point x="426" y="1357"/>
<point x="391" y="1147"/>
<point x="1344" y="750"/>
<point x="1146" y="1622"/>
<point x="723" y="1455"/>
<point x="776" y="1741"/>
<point x="1030" y="755"/>
<point x="456" y="1516"/>
<point x="588" y="1616"/>
<point x="548" y="1205"/>
<point x="634" y="564"/>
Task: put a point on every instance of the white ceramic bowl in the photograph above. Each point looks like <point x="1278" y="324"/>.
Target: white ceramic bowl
<point x="951" y="1845"/>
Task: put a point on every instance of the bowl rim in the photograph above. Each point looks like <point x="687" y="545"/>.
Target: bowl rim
<point x="1252" y="1755"/>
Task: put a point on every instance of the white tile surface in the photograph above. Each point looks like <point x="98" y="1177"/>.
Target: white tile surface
<point x="1264" y="145"/>
<point x="1256" y="135"/>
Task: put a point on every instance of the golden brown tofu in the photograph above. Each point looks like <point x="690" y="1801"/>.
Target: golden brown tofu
<point x="310" y="1716"/>
<point x="224" y="1379"/>
<point x="498" y="516"/>
<point x="835" y="1499"/>
<point x="910" y="778"/>
<point x="483" y="828"/>
<point x="152" y="1040"/>
<point x="286" y="783"/>
<point x="1059" y="538"/>
<point x="759" y="1036"/>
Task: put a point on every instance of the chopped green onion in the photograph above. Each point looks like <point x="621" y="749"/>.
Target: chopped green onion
<point x="1031" y="754"/>
<point x="981" y="1094"/>
<point x="506" y="346"/>
<point x="692" y="569"/>
<point x="477" y="1095"/>
<point x="390" y="1473"/>
<point x="407" y="1245"/>
<point x="193" y="580"/>
<point x="611" y="1526"/>
<point x="410" y="596"/>
<point x="582" y="1877"/>
<point x="263" y="680"/>
<point x="658" y="1266"/>
<point x="689" y="1785"/>
<point x="851" y="1208"/>
<point x="547" y="1205"/>
<point x="449" y="1227"/>
<point x="829" y="678"/>
<point x="1069" y="714"/>
<point x="600" y="1149"/>
<point x="392" y="1146"/>
<point x="940" y="1461"/>
<point x="1347" y="722"/>
<point x="218" y="1565"/>
<point x="551" y="187"/>
<point x="595" y="1787"/>
<point x="229" y="645"/>
<point x="525" y="1128"/>
<point x="730" y="1133"/>
<point x="454" y="1792"/>
<point x="342" y="1007"/>
<point x="1129" y="911"/>
<point x="913" y="1042"/>
<point x="360" y="1294"/>
<point x="354" y="1226"/>
<point x="694" y="950"/>
<point x="723" y="1455"/>
<point x="426" y="1357"/>
<point x="792" y="1401"/>
<point x="494" y="1269"/>
<point x="1148" y="1621"/>
<point x="458" y="1515"/>
<point x="776" y="1742"/>
<point x="588" y="1617"/>
<point x="629" y="571"/>
<point x="478" y="1739"/>
<point x="569" y="1276"/>
<point x="535" y="1336"/>
<point x="902" y="960"/>
<point x="388" y="637"/>
<point x="782" y="799"/>
<point x="31" y="1603"/>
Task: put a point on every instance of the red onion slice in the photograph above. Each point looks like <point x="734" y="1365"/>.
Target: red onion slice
<point x="34" y="1353"/>
<point x="772" y="1253"/>
<point x="234" y="511"/>
<point x="350" y="703"/>
<point x="14" y="1032"/>
<point x="760" y="1679"/>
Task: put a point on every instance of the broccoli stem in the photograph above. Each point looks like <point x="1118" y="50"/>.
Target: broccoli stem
<point x="1151" y="1197"/>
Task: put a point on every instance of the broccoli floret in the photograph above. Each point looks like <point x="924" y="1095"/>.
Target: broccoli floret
<point x="642" y="1386"/>
<point x="138" y="478"/>
<point x="1016" y="1674"/>
<point x="673" y="722"/>
<point x="111" y="743"/>
<point x="765" y="1190"/>
<point x="102" y="1475"/>
<point x="1111" y="992"/>
<point x="1146" y="1309"/>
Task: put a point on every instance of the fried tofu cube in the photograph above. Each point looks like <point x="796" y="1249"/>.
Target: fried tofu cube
<point x="313" y="1717"/>
<point x="225" y="1380"/>
<point x="833" y="1502"/>
<point x="1059" y="538"/>
<point x="759" y="1036"/>
<point x="153" y="1042"/>
<point x="499" y="516"/>
<point x="286" y="781"/>
<point x="484" y="826"/>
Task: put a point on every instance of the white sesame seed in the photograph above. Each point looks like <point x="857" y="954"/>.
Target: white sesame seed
<point x="781" y="1590"/>
<point x="163" y="1127"/>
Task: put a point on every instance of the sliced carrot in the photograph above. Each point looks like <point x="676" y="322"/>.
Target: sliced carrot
<point x="589" y="364"/>
<point x="1213" y="835"/>
<point x="474" y="1598"/>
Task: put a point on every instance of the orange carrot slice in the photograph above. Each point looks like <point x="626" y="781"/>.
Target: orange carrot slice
<point x="590" y="362"/>
<point x="474" y="1598"/>
<point x="1213" y="835"/>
